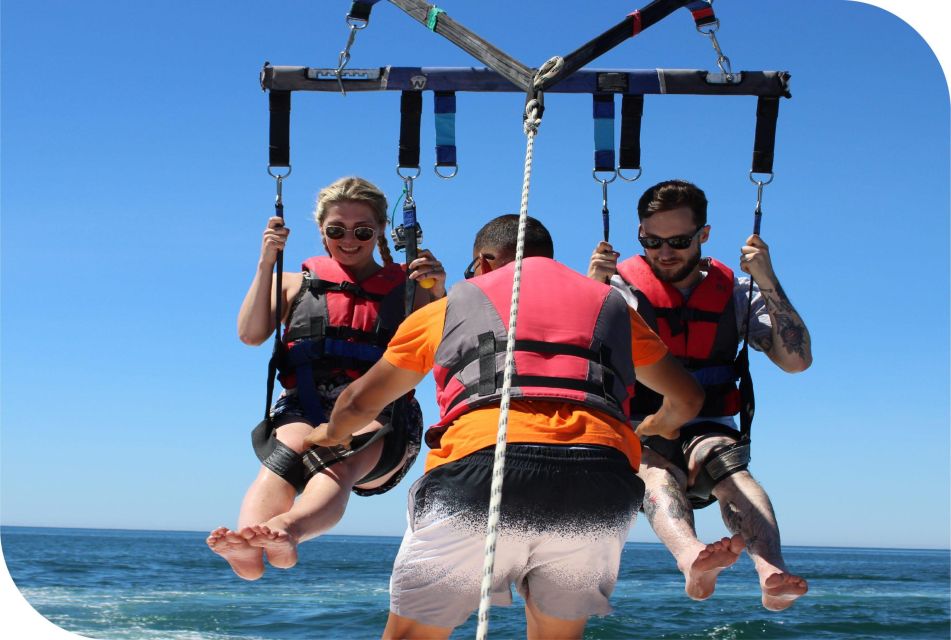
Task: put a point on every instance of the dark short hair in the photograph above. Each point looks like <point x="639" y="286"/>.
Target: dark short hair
<point x="501" y="235"/>
<point x="673" y="194"/>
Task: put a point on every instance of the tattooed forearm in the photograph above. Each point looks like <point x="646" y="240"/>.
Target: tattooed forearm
<point x="789" y="331"/>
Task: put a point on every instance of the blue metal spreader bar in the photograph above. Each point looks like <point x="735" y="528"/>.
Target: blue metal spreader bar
<point x="641" y="81"/>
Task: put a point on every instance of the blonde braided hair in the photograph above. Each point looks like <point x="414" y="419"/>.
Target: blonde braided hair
<point x="354" y="189"/>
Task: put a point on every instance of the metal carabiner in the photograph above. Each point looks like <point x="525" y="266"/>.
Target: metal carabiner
<point x="343" y="59"/>
<point x="758" y="212"/>
<point x="408" y="182"/>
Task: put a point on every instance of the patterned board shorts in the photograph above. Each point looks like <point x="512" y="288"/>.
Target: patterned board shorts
<point x="566" y="512"/>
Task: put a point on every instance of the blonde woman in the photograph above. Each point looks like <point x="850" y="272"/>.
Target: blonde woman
<point x="339" y="313"/>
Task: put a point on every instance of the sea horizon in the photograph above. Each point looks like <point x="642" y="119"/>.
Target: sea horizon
<point x="399" y="536"/>
<point x="135" y="584"/>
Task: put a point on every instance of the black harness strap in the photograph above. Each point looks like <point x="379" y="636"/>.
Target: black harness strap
<point x="318" y="287"/>
<point x="411" y="111"/>
<point x="279" y="155"/>
<point x="632" y="110"/>
<point x="767" y="112"/>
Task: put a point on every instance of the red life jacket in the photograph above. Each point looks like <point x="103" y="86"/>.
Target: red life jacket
<point x="700" y="331"/>
<point x="338" y="326"/>
<point x="572" y="343"/>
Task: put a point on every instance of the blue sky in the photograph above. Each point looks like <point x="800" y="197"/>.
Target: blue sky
<point x="134" y="192"/>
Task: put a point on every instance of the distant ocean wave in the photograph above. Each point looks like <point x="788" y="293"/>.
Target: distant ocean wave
<point x="153" y="584"/>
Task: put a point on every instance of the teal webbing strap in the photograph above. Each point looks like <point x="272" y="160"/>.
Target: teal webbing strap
<point x="433" y="17"/>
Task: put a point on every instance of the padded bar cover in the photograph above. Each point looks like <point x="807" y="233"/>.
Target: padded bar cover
<point x="411" y="110"/>
<point x="632" y="109"/>
<point x="603" y="112"/>
<point x="767" y="111"/>
<point x="643" y="81"/>
<point x="279" y="147"/>
<point x="490" y="55"/>
<point x="445" y="110"/>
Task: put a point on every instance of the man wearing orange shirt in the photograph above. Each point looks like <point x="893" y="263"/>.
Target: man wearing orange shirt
<point x="570" y="491"/>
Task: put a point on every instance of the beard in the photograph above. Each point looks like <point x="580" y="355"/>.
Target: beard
<point x="680" y="274"/>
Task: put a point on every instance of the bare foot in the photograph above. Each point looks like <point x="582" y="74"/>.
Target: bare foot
<point x="279" y="547"/>
<point x="702" y="575"/>
<point x="780" y="590"/>
<point x="245" y="560"/>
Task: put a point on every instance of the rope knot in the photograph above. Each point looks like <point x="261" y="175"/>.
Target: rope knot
<point x="532" y="120"/>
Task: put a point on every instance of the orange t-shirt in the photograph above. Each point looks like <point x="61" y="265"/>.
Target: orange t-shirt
<point x="529" y="421"/>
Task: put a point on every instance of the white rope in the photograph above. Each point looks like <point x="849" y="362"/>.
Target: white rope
<point x="532" y="122"/>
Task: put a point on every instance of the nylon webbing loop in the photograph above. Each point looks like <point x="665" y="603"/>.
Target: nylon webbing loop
<point x="411" y="110"/>
<point x="279" y="147"/>
<point x="632" y="111"/>
<point x="603" y="113"/>
<point x="632" y="24"/>
<point x="360" y="10"/>
<point x="444" y="106"/>
<point x="702" y="11"/>
<point x="767" y="112"/>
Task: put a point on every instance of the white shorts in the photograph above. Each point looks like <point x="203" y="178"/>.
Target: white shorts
<point x="566" y="513"/>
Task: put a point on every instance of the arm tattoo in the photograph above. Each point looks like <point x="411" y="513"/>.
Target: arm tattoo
<point x="789" y="328"/>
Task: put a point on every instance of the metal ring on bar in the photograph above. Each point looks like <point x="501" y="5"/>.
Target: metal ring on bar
<point x="760" y="183"/>
<point x="357" y="23"/>
<point x="455" y="170"/>
<point x="278" y="176"/>
<point x="399" y="172"/>
<point x="594" y="174"/>
<point x="634" y="179"/>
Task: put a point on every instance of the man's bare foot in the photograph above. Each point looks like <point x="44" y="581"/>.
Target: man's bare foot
<point x="280" y="548"/>
<point x="701" y="576"/>
<point x="245" y="560"/>
<point x="780" y="590"/>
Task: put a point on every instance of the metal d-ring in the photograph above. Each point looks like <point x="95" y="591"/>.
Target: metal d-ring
<point x="455" y="170"/>
<point x="278" y="176"/>
<point x="634" y="179"/>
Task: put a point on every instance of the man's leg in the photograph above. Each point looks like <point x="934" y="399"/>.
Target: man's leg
<point x="747" y="511"/>
<point x="400" y="628"/>
<point x="671" y="517"/>
<point x="544" y="627"/>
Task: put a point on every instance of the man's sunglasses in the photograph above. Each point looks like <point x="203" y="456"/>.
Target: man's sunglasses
<point x="363" y="234"/>
<point x="470" y="270"/>
<point x="676" y="242"/>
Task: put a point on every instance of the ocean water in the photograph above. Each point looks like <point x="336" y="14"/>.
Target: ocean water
<point x="168" y="585"/>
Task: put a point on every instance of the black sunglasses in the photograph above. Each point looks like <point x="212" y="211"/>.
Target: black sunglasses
<point x="470" y="270"/>
<point x="336" y="232"/>
<point x="676" y="242"/>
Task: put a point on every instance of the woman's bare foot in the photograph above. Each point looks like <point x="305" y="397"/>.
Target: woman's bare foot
<point x="780" y="590"/>
<point x="701" y="576"/>
<point x="245" y="560"/>
<point x="279" y="547"/>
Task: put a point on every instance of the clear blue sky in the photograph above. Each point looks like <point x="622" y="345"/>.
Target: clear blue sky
<point x="134" y="193"/>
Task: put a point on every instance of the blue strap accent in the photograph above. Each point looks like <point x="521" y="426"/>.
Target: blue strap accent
<point x="445" y="110"/>
<point x="709" y="376"/>
<point x="356" y="350"/>
<point x="307" y="394"/>
<point x="603" y="112"/>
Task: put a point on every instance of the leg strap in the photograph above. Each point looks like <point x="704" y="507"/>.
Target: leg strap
<point x="722" y="462"/>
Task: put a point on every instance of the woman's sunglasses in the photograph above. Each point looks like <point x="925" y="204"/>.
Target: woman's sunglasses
<point x="676" y="242"/>
<point x="363" y="234"/>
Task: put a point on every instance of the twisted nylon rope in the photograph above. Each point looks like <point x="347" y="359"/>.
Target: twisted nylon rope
<point x="532" y="122"/>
